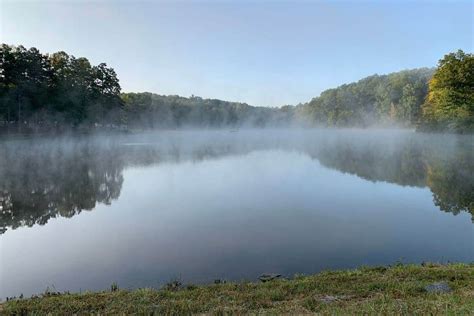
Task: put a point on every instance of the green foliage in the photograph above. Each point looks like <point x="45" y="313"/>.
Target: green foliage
<point x="450" y="102"/>
<point x="389" y="99"/>
<point x="42" y="89"/>
<point x="148" y="110"/>
<point x="114" y="287"/>
<point x="60" y="89"/>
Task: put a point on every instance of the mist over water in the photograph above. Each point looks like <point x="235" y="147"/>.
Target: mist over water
<point x="78" y="213"/>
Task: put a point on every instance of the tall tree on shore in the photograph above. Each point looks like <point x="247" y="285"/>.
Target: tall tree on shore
<point x="24" y="81"/>
<point x="450" y="101"/>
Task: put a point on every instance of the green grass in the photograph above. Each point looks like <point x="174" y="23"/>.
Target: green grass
<point x="368" y="290"/>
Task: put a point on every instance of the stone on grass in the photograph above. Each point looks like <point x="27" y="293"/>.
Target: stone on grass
<point x="268" y="277"/>
<point x="328" y="299"/>
<point x="438" y="287"/>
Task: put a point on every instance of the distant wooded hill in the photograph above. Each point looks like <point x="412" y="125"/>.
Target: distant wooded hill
<point x="396" y="98"/>
<point x="49" y="91"/>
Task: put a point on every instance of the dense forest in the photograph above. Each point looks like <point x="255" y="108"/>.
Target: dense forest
<point x="393" y="99"/>
<point x="440" y="99"/>
<point x="149" y="110"/>
<point x="56" y="91"/>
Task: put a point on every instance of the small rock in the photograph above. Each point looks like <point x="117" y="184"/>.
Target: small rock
<point x="268" y="277"/>
<point x="438" y="287"/>
<point x="328" y="299"/>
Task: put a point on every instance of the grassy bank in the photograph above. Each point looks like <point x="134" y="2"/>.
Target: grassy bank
<point x="399" y="289"/>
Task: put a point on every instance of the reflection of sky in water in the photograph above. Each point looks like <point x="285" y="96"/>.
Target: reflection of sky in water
<point x="232" y="217"/>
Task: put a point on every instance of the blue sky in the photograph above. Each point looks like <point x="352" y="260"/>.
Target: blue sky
<point x="266" y="53"/>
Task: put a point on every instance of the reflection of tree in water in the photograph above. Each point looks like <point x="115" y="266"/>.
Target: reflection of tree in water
<point x="446" y="167"/>
<point x="50" y="181"/>
<point x="401" y="165"/>
<point x="46" y="180"/>
<point x="452" y="181"/>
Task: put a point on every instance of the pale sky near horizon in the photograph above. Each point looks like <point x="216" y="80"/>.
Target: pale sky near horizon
<point x="266" y="53"/>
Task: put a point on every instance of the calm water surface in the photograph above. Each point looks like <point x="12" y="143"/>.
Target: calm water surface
<point x="80" y="213"/>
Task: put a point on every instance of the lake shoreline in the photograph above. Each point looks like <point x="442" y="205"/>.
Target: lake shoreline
<point x="424" y="289"/>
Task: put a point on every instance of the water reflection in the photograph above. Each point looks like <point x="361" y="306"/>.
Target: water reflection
<point x="445" y="165"/>
<point x="49" y="178"/>
<point x="41" y="182"/>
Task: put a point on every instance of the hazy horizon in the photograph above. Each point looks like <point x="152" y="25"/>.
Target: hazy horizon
<point x="263" y="54"/>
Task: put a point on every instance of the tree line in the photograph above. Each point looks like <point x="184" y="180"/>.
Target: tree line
<point x="55" y="89"/>
<point x="440" y="99"/>
<point x="59" y="90"/>
<point x="393" y="99"/>
<point x="150" y="110"/>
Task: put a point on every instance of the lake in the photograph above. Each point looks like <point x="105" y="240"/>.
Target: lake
<point x="79" y="213"/>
